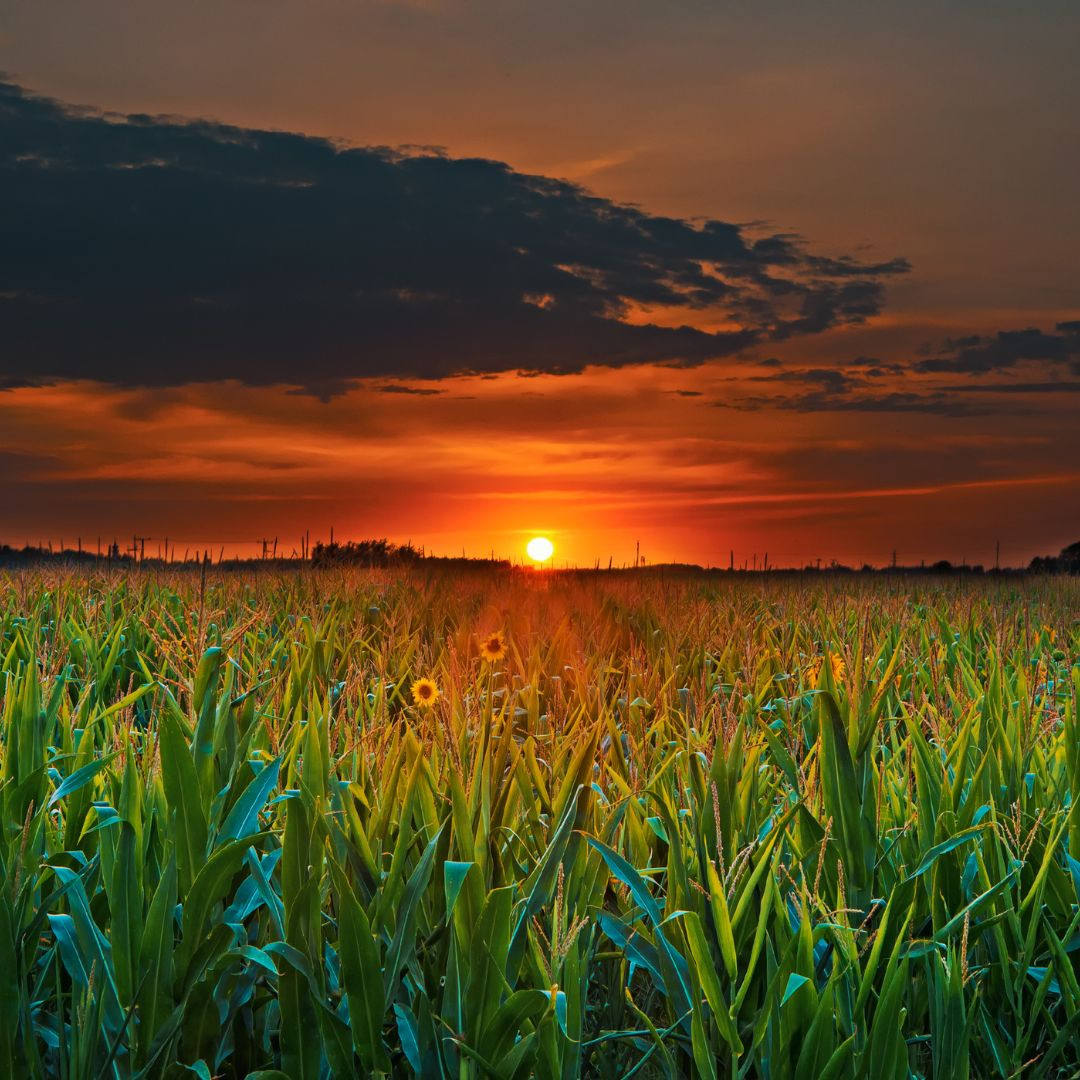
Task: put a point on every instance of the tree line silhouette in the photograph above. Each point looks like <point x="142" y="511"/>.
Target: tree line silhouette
<point x="376" y="553"/>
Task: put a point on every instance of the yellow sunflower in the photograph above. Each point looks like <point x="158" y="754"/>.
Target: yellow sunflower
<point x="425" y="693"/>
<point x="493" y="647"/>
<point x="836" y="663"/>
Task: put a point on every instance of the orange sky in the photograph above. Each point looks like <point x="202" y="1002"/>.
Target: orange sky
<point x="486" y="463"/>
<point x="947" y="138"/>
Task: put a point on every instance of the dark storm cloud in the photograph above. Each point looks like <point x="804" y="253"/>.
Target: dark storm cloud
<point x="870" y="385"/>
<point x="422" y="391"/>
<point x="812" y="401"/>
<point x="980" y="355"/>
<point x="1016" y="388"/>
<point x="854" y="388"/>
<point x="154" y="251"/>
<point x="830" y="380"/>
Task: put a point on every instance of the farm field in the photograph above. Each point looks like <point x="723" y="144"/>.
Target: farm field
<point x="416" y="823"/>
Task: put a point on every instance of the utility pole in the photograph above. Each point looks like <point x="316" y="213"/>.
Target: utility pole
<point x="637" y="554"/>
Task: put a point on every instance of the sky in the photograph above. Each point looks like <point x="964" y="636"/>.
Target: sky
<point x="716" y="279"/>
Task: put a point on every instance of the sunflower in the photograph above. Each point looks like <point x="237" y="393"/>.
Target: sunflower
<point x="836" y="662"/>
<point x="425" y="692"/>
<point x="493" y="647"/>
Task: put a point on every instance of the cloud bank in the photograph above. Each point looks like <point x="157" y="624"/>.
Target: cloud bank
<point x="153" y="251"/>
<point x="981" y="354"/>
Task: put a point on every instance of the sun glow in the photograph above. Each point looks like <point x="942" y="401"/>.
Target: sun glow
<point x="540" y="549"/>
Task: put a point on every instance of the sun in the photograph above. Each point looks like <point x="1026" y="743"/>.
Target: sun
<point x="540" y="549"/>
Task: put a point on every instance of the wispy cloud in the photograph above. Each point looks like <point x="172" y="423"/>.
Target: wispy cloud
<point x="981" y="354"/>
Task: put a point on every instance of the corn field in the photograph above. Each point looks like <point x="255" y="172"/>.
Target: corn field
<point x="696" y="826"/>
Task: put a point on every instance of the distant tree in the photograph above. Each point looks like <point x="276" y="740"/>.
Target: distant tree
<point x="365" y="553"/>
<point x="1070" y="558"/>
<point x="1067" y="561"/>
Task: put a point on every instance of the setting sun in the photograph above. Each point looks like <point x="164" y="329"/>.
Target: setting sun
<point x="540" y="549"/>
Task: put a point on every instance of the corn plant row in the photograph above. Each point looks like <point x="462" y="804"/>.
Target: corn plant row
<point x="335" y="824"/>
